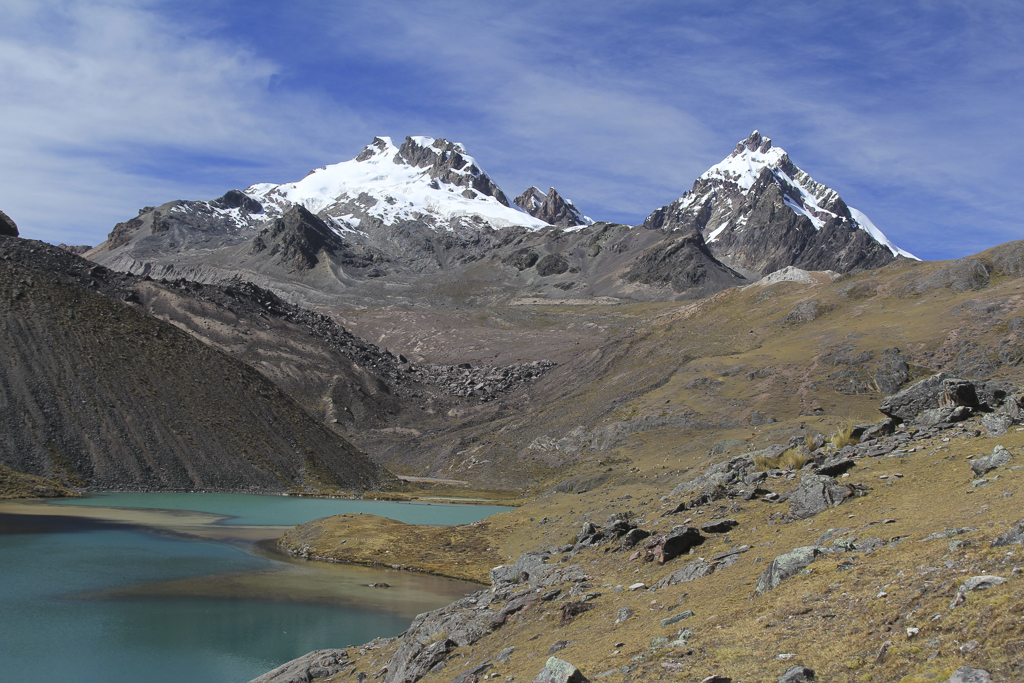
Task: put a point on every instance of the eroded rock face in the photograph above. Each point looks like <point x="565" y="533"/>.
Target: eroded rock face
<point x="7" y="226"/>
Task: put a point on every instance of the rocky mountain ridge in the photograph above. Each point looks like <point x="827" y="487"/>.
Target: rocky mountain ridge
<point x="401" y="223"/>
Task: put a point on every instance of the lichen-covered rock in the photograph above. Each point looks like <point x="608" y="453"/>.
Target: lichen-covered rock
<point x="787" y="565"/>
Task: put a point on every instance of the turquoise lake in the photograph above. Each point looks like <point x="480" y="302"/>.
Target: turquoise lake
<point x="106" y="597"/>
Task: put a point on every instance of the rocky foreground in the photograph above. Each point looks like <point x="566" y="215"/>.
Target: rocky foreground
<point x="882" y="552"/>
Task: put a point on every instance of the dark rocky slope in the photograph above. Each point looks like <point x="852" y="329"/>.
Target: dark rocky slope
<point x="106" y="397"/>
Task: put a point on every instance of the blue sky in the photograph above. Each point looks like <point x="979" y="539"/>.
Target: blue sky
<point x="912" y="113"/>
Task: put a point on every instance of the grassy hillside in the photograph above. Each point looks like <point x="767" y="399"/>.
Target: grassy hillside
<point x="677" y="389"/>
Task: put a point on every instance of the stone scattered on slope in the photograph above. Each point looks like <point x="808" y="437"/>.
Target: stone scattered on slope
<point x="1014" y="536"/>
<point x="719" y="526"/>
<point x="432" y="635"/>
<point x="694" y="570"/>
<point x="676" y="618"/>
<point x="947" y="393"/>
<point x="997" y="458"/>
<point x="815" y="493"/>
<point x="980" y="583"/>
<point x="968" y="674"/>
<point x="559" y="671"/>
<point x="317" y="664"/>
<point x="805" y="312"/>
<point x="530" y="568"/>
<point x="915" y="399"/>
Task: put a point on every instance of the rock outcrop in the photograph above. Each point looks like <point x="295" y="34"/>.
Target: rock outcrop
<point x="7" y="226"/>
<point x="551" y="208"/>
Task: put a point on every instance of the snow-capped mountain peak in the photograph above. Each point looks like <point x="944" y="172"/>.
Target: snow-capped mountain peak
<point x="429" y="180"/>
<point x="740" y="203"/>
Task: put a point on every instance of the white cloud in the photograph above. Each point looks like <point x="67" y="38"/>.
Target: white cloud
<point x="94" y="95"/>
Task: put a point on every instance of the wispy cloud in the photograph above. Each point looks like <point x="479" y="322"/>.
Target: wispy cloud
<point x="105" y="104"/>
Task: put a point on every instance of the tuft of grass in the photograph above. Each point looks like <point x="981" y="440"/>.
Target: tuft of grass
<point x="790" y="459"/>
<point x="843" y="437"/>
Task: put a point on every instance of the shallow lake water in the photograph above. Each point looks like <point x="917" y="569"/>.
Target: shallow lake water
<point x="174" y="587"/>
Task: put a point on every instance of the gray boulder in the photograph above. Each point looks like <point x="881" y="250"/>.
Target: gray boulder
<point x="559" y="671"/>
<point x="912" y="401"/>
<point x="997" y="458"/>
<point x="7" y="226"/>
<point x="308" y="667"/>
<point x="1015" y="536"/>
<point x="787" y="565"/>
<point x="797" y="674"/>
<point x="967" y="674"/>
<point x="996" y="425"/>
<point x="815" y="493"/>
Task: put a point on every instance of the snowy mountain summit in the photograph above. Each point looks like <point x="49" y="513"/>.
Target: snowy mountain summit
<point x="432" y="182"/>
<point x="759" y="212"/>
